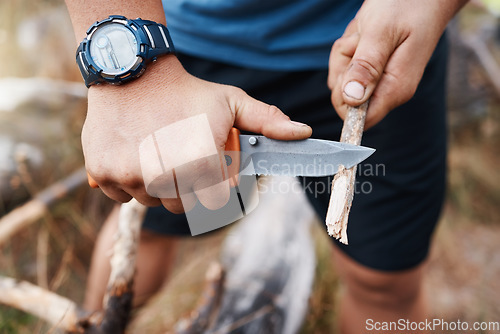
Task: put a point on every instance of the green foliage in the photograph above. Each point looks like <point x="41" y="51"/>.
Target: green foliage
<point x="15" y="322"/>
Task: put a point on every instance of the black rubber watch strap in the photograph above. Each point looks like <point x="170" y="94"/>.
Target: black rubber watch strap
<point x="159" y="38"/>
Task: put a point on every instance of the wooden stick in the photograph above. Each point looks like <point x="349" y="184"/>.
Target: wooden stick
<point x="343" y="185"/>
<point x="118" y="299"/>
<point x="56" y="310"/>
<point x="30" y="212"/>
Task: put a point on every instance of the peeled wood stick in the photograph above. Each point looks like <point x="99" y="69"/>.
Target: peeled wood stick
<point x="343" y="185"/>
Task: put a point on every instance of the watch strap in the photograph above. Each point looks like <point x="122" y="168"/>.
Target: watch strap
<point x="160" y="42"/>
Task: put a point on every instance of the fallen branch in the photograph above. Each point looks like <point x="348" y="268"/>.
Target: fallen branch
<point x="56" y="310"/>
<point x="63" y="313"/>
<point x="343" y="185"/>
<point x="118" y="300"/>
<point x="30" y="212"/>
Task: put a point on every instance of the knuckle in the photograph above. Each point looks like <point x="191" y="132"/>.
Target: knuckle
<point x="337" y="45"/>
<point x="202" y="165"/>
<point x="132" y="182"/>
<point x="101" y="178"/>
<point x="406" y="95"/>
<point x="405" y="91"/>
<point x="370" y="69"/>
<point x="235" y="93"/>
<point x="124" y="199"/>
<point x="274" y="112"/>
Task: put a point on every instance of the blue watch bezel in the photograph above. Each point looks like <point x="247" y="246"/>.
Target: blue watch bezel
<point x="146" y="53"/>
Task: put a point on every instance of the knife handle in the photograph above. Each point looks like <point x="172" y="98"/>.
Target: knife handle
<point x="91" y="181"/>
<point x="232" y="156"/>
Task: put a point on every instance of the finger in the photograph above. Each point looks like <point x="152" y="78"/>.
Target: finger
<point x="367" y="65"/>
<point x="141" y="195"/>
<point x="259" y="117"/>
<point x="208" y="199"/>
<point x="108" y="187"/>
<point x="205" y="178"/>
<point x="398" y="84"/>
<point x="188" y="200"/>
<point x="212" y="190"/>
<point x="178" y="206"/>
<point x="116" y="194"/>
<point x="340" y="57"/>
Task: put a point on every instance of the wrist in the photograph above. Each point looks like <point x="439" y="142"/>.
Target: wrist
<point x="161" y="73"/>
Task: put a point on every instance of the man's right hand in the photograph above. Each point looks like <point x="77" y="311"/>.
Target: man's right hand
<point x="120" y="118"/>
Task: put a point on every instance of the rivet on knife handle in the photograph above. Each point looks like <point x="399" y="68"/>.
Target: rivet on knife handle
<point x="344" y="181"/>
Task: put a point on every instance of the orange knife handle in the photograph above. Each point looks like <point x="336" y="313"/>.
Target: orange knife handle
<point x="92" y="182"/>
<point x="232" y="155"/>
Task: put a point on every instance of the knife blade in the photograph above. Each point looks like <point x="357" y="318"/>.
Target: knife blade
<point x="259" y="155"/>
<point x="309" y="157"/>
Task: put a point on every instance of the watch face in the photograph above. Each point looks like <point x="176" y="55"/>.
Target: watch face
<point x="113" y="48"/>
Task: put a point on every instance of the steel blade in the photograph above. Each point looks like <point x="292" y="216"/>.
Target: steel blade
<point x="310" y="157"/>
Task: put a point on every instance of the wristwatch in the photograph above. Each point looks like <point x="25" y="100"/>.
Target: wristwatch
<point x="117" y="50"/>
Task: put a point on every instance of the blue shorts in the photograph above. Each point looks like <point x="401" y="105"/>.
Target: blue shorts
<point x="400" y="188"/>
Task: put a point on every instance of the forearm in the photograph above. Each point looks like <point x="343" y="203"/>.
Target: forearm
<point x="85" y="12"/>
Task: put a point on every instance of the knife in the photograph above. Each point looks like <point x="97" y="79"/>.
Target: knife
<point x="259" y="155"/>
<point x="308" y="157"/>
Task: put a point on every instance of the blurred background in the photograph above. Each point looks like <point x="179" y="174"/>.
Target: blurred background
<point x="42" y="108"/>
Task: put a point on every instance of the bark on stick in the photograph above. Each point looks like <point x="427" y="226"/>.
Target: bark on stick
<point x="343" y="185"/>
<point x="118" y="300"/>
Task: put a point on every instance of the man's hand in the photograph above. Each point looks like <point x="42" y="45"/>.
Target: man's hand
<point x="383" y="53"/>
<point x="120" y="118"/>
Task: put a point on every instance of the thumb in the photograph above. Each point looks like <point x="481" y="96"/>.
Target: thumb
<point x="366" y="67"/>
<point x="259" y="117"/>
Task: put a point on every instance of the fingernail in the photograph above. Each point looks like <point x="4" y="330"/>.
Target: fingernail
<point x="298" y="123"/>
<point x="354" y="90"/>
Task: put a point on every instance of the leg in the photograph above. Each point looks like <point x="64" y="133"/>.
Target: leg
<point x="378" y="295"/>
<point x="154" y="262"/>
